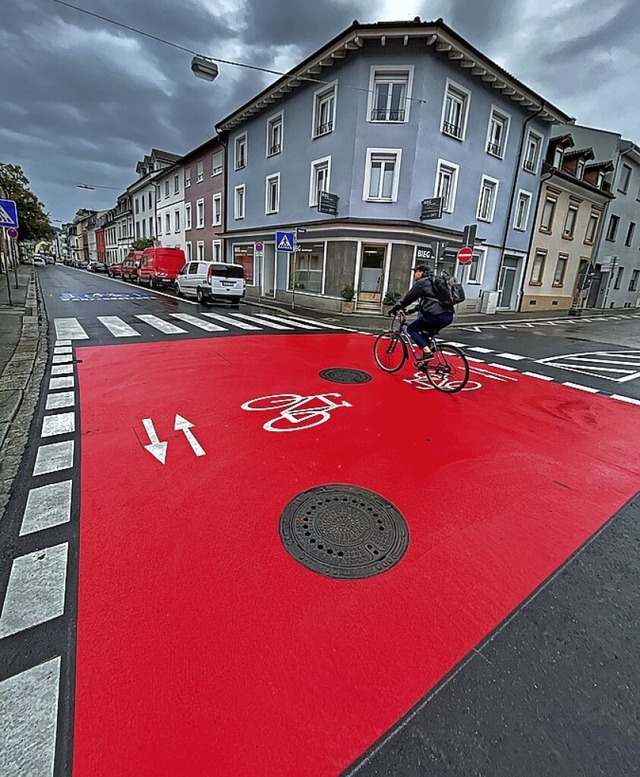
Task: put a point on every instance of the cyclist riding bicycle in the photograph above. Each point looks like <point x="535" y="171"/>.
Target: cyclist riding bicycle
<point x="432" y="314"/>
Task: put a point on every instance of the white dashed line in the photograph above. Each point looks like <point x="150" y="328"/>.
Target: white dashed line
<point x="35" y="593"/>
<point x="537" y="375"/>
<point x="54" y="457"/>
<point x="62" y="359"/>
<point x="61" y="383"/>
<point x="62" y="369"/>
<point x="512" y="356"/>
<point x="58" y="349"/>
<point x="581" y="388"/>
<point x="47" y="506"/>
<point x="630" y="400"/>
<point x="62" y="342"/>
<point x="479" y="349"/>
<point x="29" y="715"/>
<point x="61" y="423"/>
<point x="61" y="399"/>
<point x="503" y="367"/>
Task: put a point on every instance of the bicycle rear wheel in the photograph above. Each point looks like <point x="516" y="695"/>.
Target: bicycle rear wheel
<point x="448" y="371"/>
<point x="390" y="351"/>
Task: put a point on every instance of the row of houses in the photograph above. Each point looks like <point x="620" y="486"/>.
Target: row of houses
<point x="351" y="150"/>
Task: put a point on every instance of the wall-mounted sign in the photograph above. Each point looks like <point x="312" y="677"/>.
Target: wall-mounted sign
<point x="431" y="208"/>
<point x="328" y="203"/>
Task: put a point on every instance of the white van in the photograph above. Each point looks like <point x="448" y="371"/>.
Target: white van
<point x="208" y="281"/>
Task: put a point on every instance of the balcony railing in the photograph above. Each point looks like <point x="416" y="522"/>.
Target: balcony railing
<point x="274" y="149"/>
<point x="387" y="114"/>
<point x="452" y="129"/>
<point x="324" y="129"/>
<point x="495" y="149"/>
<point x="240" y="164"/>
<point x="529" y="165"/>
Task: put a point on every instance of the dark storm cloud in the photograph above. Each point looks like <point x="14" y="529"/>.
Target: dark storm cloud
<point x="83" y="100"/>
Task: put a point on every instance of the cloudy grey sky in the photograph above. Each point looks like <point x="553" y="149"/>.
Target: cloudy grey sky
<point x="83" y="101"/>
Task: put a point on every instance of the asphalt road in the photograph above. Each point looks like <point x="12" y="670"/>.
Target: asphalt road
<point x="551" y="691"/>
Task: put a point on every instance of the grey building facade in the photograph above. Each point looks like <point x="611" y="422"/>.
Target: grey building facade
<point x="385" y="116"/>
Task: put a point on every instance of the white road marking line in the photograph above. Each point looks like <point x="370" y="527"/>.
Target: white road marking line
<point x="231" y="321"/>
<point x="61" y="383"/>
<point x="473" y="359"/>
<point x="512" y="356"/>
<point x="61" y="423"/>
<point x="62" y="369"/>
<point x="163" y="326"/>
<point x="69" y="329"/>
<point x="582" y="388"/>
<point x="456" y="345"/>
<point x="29" y="715"/>
<point x="627" y="378"/>
<point x="503" y="367"/>
<point x="630" y="400"/>
<point x="208" y="326"/>
<point x="62" y="342"/>
<point x="315" y="323"/>
<point x="537" y="375"/>
<point x="479" y="349"/>
<point x="262" y="322"/>
<point x="62" y="349"/>
<point x="62" y="359"/>
<point x="35" y="593"/>
<point x="47" y="506"/>
<point x="54" y="457"/>
<point x="61" y="399"/>
<point x="118" y="327"/>
<point x="291" y="322"/>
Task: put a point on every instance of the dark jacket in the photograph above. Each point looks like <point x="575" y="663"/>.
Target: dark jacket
<point x="423" y="290"/>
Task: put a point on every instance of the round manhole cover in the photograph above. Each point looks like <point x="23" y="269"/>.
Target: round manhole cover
<point x="344" y="375"/>
<point x="344" y="531"/>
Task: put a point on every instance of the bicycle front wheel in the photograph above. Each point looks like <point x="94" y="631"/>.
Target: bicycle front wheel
<point x="448" y="371"/>
<point x="390" y="351"/>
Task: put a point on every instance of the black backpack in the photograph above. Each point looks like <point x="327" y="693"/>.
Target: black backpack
<point x="448" y="290"/>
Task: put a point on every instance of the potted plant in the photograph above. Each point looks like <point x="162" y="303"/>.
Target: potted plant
<point x="347" y="294"/>
<point x="390" y="299"/>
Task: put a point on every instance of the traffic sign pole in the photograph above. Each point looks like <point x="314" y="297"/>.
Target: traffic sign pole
<point x="5" y="266"/>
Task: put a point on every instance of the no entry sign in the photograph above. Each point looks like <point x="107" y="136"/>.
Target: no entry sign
<point x="465" y="255"/>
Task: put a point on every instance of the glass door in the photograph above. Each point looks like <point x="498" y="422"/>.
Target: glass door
<point x="372" y="273"/>
<point x="507" y="282"/>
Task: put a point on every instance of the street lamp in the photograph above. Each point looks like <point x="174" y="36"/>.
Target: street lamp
<point x="203" y="67"/>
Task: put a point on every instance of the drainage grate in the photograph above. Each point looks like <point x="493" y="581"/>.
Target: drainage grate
<point x="344" y="531"/>
<point x="344" y="375"/>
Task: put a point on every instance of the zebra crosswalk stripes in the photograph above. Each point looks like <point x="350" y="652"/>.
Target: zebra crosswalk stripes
<point x="287" y="321"/>
<point x="166" y="327"/>
<point x="118" y="327"/>
<point x="232" y="321"/>
<point x="207" y="326"/>
<point x="69" y="329"/>
<point x="253" y="319"/>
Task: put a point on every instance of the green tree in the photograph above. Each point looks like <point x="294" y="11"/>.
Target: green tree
<point x="141" y="243"/>
<point x="34" y="221"/>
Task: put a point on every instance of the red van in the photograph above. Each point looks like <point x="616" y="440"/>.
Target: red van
<point x="130" y="266"/>
<point x="160" y="266"/>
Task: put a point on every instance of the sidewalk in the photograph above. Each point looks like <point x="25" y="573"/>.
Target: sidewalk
<point x="377" y="323"/>
<point x="20" y="349"/>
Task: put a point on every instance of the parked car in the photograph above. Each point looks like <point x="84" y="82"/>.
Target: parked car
<point x="38" y="260"/>
<point x="114" y="270"/>
<point x="207" y="281"/>
<point x="160" y="266"/>
<point x="131" y="266"/>
<point x="98" y="267"/>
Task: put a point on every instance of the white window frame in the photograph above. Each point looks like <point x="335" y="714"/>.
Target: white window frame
<point x="200" y="221"/>
<point x="187" y="177"/>
<point x="167" y="188"/>
<point x="176" y="184"/>
<point x="167" y="223"/>
<point x="580" y="166"/>
<point x="454" y="86"/>
<point x="558" y="156"/>
<point x="188" y="251"/>
<point x="506" y="119"/>
<point x="594" y="218"/>
<point x="237" y="215"/>
<point x="561" y="259"/>
<point x="217" y="170"/>
<point x="200" y="251"/>
<point x="238" y="142"/>
<point x="272" y="121"/>
<point x="187" y="216"/>
<point x="554" y="206"/>
<point x="382" y="152"/>
<point x="626" y="173"/>
<point x="569" y="234"/>
<point x="324" y="162"/>
<point x="217" y="198"/>
<point x="200" y="171"/>
<point x="533" y="134"/>
<point x="176" y="221"/>
<point x="479" y="266"/>
<point x="317" y="98"/>
<point x="380" y="70"/>
<point x="268" y="180"/>
<point x="455" y="169"/>
<point x="493" y="187"/>
<point x="523" y="194"/>
<point x="216" y="250"/>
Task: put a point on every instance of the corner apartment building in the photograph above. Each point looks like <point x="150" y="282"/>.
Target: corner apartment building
<point x="385" y="116"/>
<point x="204" y="206"/>
<point x="574" y="193"/>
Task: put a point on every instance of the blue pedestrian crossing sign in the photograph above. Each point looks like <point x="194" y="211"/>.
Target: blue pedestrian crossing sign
<point x="285" y="241"/>
<point x="8" y="214"/>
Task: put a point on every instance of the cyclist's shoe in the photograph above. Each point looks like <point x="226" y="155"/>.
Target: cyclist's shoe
<point x="420" y="363"/>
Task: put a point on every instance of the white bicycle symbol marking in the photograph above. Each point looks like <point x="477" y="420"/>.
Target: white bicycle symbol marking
<point x="296" y="412"/>
<point x="421" y="382"/>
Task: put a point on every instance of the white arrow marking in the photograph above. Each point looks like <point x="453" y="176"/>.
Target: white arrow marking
<point x="156" y="448"/>
<point x="185" y="426"/>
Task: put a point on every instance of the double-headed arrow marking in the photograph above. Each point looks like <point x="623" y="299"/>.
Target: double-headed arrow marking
<point x="158" y="449"/>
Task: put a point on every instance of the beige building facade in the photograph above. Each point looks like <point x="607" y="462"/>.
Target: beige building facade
<point x="569" y="218"/>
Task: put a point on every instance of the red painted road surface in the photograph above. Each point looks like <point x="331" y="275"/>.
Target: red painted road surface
<point x="204" y="648"/>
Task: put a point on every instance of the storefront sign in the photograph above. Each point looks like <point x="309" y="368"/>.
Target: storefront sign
<point x="328" y="203"/>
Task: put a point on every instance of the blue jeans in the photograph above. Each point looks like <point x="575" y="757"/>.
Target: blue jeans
<point x="429" y="325"/>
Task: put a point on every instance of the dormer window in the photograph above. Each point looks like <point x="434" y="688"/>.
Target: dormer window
<point x="557" y="158"/>
<point x="600" y="179"/>
<point x="580" y="168"/>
